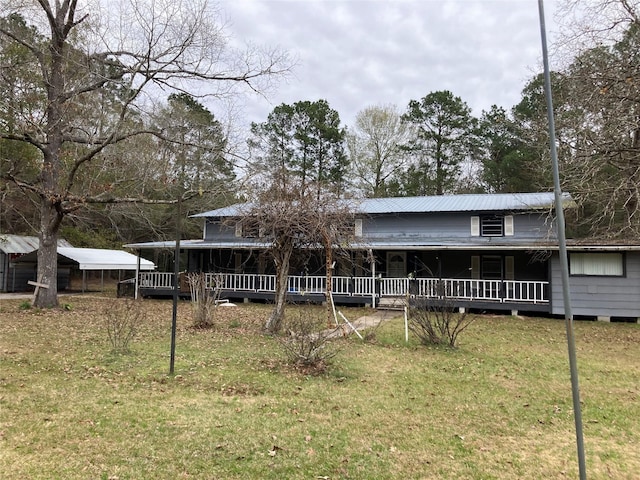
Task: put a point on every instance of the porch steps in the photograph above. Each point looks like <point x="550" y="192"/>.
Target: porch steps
<point x="391" y="303"/>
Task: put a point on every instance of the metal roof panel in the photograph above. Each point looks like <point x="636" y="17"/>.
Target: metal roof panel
<point x="22" y="244"/>
<point x="484" y="202"/>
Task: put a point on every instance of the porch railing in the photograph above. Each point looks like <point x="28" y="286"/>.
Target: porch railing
<point x="516" y="291"/>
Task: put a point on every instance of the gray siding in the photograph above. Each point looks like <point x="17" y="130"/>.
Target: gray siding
<point x="448" y="225"/>
<point x="217" y="231"/>
<point x="599" y="296"/>
<point x="455" y="226"/>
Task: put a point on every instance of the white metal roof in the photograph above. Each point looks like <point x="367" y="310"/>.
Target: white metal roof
<point x="101" y="259"/>
<point x="97" y="259"/>
<point x="485" y="202"/>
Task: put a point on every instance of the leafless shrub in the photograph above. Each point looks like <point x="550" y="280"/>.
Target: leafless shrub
<point x="205" y="293"/>
<point x="306" y="341"/>
<point x="121" y="320"/>
<point x="437" y="322"/>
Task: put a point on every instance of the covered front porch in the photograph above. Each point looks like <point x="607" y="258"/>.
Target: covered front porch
<point x="529" y="295"/>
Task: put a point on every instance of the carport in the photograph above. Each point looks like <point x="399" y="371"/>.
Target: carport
<point x="95" y="259"/>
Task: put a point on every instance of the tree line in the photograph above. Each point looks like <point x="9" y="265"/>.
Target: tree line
<point x="101" y="134"/>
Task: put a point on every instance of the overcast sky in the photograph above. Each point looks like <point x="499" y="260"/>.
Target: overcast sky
<point x="358" y="53"/>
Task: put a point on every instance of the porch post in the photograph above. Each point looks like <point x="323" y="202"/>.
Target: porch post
<point x="137" y="281"/>
<point x="373" y="278"/>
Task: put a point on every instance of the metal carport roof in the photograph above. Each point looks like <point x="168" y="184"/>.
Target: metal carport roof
<point x="97" y="259"/>
<point x="21" y="244"/>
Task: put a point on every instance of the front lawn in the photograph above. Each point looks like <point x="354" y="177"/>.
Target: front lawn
<point x="498" y="407"/>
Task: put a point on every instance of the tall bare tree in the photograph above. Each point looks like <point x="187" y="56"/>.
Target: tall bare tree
<point x="97" y="73"/>
<point x="289" y="218"/>
<point x="299" y="167"/>
<point x="374" y="149"/>
<point x="600" y="115"/>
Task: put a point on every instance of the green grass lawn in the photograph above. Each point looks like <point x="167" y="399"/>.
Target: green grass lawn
<point x="498" y="407"/>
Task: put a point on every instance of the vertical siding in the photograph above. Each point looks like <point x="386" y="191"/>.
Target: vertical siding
<point x="599" y="296"/>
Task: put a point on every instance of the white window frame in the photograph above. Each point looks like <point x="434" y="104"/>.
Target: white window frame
<point x="597" y="264"/>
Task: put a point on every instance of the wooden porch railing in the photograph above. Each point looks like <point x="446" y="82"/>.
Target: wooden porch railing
<point x="516" y="291"/>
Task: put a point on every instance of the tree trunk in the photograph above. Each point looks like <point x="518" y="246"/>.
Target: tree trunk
<point x="47" y="257"/>
<point x="282" y="259"/>
<point x="51" y="212"/>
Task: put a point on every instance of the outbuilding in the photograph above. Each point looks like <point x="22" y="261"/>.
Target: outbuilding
<point x="86" y="260"/>
<point x="14" y="275"/>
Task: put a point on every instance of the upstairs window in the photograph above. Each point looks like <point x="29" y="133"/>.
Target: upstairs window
<point x="248" y="230"/>
<point x="492" y="226"/>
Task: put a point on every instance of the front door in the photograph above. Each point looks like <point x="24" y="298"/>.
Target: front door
<point x="396" y="264"/>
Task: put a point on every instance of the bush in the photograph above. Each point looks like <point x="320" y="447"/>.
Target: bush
<point x="204" y="298"/>
<point x="306" y="341"/>
<point x="437" y="324"/>
<point x="121" y="321"/>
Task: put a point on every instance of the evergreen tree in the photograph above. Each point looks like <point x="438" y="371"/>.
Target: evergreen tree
<point x="445" y="138"/>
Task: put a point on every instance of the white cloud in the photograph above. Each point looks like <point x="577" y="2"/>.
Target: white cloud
<point x="361" y="53"/>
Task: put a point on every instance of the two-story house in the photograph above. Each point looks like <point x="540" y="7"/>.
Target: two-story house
<point x="484" y="251"/>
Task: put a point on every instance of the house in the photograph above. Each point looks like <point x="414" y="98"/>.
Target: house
<point x="477" y="251"/>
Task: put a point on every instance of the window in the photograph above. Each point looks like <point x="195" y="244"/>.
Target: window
<point x="597" y="264"/>
<point x="492" y="226"/>
<point x="248" y="230"/>
<point x="491" y="267"/>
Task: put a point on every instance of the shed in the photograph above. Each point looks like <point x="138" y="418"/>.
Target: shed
<point x="94" y="259"/>
<point x="13" y="275"/>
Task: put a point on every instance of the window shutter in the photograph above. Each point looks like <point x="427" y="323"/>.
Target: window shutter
<point x="475" y="226"/>
<point x="508" y="226"/>
<point x="238" y="229"/>
<point x="509" y="266"/>
<point x="475" y="267"/>
<point x="358" y="227"/>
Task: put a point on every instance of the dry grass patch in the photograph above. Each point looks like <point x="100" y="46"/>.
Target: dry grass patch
<point x="498" y="407"/>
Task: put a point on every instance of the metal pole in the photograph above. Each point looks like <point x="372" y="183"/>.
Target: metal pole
<point x="562" y="241"/>
<point x="176" y="290"/>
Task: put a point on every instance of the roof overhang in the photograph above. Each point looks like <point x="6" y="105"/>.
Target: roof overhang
<point x="401" y="245"/>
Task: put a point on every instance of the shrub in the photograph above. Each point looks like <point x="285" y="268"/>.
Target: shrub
<point x="121" y="321"/>
<point x="306" y="341"/>
<point x="437" y="324"/>
<point x="205" y="293"/>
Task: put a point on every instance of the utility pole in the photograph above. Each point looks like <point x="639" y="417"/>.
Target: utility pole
<point x="562" y="244"/>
